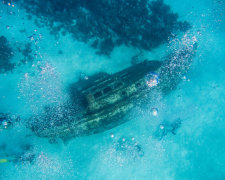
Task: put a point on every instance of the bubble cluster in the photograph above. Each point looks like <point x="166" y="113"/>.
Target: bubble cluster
<point x="152" y="79"/>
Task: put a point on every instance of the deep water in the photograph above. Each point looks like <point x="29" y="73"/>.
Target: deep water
<point x="38" y="62"/>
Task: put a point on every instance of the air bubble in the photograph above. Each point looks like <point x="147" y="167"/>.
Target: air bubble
<point x="86" y="77"/>
<point x="112" y="135"/>
<point x="154" y="111"/>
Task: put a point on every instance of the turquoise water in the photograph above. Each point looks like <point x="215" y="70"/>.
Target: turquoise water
<point x="132" y="150"/>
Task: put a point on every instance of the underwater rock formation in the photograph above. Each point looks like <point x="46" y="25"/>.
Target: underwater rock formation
<point x="105" y="99"/>
<point x="6" y="55"/>
<point x="109" y="23"/>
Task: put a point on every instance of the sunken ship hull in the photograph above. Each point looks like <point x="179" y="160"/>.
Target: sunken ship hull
<point x="105" y="99"/>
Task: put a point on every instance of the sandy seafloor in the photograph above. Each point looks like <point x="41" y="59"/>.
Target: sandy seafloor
<point x="197" y="151"/>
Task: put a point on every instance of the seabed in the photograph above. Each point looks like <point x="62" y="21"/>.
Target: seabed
<point x="47" y="48"/>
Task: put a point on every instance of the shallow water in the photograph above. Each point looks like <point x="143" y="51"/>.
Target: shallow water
<point x="133" y="150"/>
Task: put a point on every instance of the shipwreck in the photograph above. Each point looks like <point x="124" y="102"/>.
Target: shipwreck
<point x="105" y="99"/>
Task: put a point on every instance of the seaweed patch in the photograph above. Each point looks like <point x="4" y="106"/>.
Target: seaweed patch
<point x="6" y="54"/>
<point x="108" y="23"/>
<point x="27" y="53"/>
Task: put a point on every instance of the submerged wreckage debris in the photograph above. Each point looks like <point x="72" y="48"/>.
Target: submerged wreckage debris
<point x="105" y="99"/>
